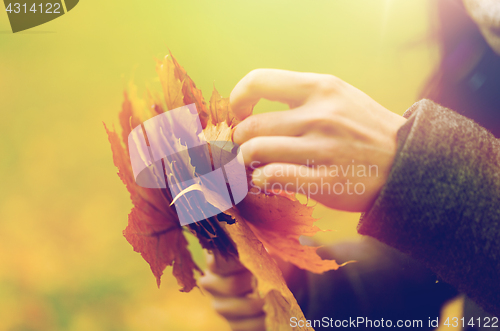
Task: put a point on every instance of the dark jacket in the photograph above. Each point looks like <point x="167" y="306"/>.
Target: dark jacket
<point x="441" y="202"/>
<point x="439" y="217"/>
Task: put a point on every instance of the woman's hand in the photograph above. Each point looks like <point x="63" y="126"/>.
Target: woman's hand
<point x="231" y="284"/>
<point x="335" y="144"/>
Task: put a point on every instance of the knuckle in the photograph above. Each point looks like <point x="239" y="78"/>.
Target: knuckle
<point x="329" y="84"/>
<point x="326" y="155"/>
<point x="207" y="278"/>
<point x="322" y="120"/>
<point x="271" y="173"/>
<point x="209" y="282"/>
<point x="315" y="120"/>
<point x="252" y="150"/>
<point x="249" y="127"/>
<point x="253" y="77"/>
<point x="202" y="281"/>
<point x="210" y="260"/>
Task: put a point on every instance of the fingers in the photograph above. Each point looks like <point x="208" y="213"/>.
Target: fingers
<point x="249" y="324"/>
<point x="292" y="88"/>
<point x="286" y="177"/>
<point x="235" y="285"/>
<point x="230" y="284"/>
<point x="261" y="150"/>
<point x="285" y="123"/>
<point x="238" y="308"/>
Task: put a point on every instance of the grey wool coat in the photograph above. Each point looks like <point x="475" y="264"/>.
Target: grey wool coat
<point x="441" y="202"/>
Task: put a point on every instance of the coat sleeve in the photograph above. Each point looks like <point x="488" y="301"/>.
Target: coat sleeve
<point x="441" y="202"/>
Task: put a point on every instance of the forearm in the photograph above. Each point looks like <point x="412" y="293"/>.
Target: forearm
<point x="441" y="203"/>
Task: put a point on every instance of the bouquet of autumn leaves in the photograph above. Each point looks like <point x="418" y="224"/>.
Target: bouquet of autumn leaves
<point x="260" y="225"/>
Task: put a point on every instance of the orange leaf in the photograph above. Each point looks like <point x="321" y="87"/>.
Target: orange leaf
<point x="280" y="304"/>
<point x="153" y="228"/>
<point x="278" y="222"/>
<point x="260" y="223"/>
<point x="172" y="85"/>
<point x="191" y="93"/>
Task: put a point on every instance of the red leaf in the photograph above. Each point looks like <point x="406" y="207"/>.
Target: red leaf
<point x="278" y="222"/>
<point x="262" y="223"/>
<point x="153" y="228"/>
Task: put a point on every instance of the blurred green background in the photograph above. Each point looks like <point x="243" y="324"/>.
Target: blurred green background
<point x="64" y="264"/>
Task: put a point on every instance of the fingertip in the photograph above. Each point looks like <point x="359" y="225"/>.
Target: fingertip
<point x="261" y="178"/>
<point x="237" y="138"/>
<point x="246" y="129"/>
<point x="240" y="103"/>
<point x="240" y="109"/>
<point x="258" y="177"/>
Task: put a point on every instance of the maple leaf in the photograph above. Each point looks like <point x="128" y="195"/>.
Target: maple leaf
<point x="190" y="92"/>
<point x="153" y="227"/>
<point x="279" y="303"/>
<point x="278" y="222"/>
<point x="259" y="225"/>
